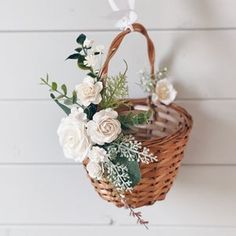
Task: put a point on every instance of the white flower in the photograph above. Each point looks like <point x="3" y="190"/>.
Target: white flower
<point x="78" y="114"/>
<point x="97" y="154"/>
<point x="73" y="135"/>
<point x="88" y="43"/>
<point x="89" y="92"/>
<point x="99" y="49"/>
<point x="90" y="61"/>
<point x="104" y="128"/>
<point x="95" y="171"/>
<point x="164" y="92"/>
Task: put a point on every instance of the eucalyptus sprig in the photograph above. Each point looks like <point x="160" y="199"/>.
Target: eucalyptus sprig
<point x="62" y="93"/>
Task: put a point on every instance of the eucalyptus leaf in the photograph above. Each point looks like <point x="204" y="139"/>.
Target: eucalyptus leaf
<point x="64" y="89"/>
<point x="63" y="107"/>
<point x="54" y="86"/>
<point x="68" y="102"/>
<point x="74" y="97"/>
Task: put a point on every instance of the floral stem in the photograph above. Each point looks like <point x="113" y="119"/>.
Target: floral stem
<point x="137" y="215"/>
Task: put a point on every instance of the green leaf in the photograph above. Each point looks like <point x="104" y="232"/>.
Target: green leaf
<point x="92" y="75"/>
<point x="73" y="56"/>
<point x="68" y="102"/>
<point x="90" y="111"/>
<point x="133" y="118"/>
<point x="133" y="169"/>
<point x="74" y="97"/>
<point x="81" y="58"/>
<point x="59" y="97"/>
<point x="64" y="89"/>
<point x="63" y="107"/>
<point x="83" y="67"/>
<point x="78" y="49"/>
<point x="54" y="86"/>
<point x="80" y="40"/>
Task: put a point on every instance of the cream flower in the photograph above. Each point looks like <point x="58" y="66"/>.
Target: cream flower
<point x="89" y="92"/>
<point x="104" y="128"/>
<point x="95" y="171"/>
<point x="99" y="49"/>
<point x="164" y="92"/>
<point x="88" y="43"/>
<point x="97" y="154"/>
<point x="73" y="135"/>
<point x="90" y="61"/>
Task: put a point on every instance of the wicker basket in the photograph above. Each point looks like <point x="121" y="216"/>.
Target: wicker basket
<point x="166" y="137"/>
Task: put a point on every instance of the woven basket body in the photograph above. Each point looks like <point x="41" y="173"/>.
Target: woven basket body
<point x="166" y="136"/>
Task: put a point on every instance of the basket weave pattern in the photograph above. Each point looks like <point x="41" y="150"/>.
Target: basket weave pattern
<point x="166" y="136"/>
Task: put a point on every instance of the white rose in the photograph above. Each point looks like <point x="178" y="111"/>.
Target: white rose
<point x="97" y="154"/>
<point x="89" y="92"/>
<point x="104" y="128"/>
<point x="73" y="135"/>
<point x="164" y="92"/>
<point x="95" y="171"/>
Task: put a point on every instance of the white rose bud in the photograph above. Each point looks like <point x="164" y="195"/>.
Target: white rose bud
<point x="104" y="128"/>
<point x="164" y="92"/>
<point x="97" y="154"/>
<point x="73" y="135"/>
<point x="89" y="92"/>
<point x="95" y="171"/>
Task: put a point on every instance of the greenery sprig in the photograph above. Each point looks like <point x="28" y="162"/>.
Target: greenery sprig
<point x="115" y="91"/>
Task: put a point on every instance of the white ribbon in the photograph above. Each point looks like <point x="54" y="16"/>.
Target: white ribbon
<point x="129" y="15"/>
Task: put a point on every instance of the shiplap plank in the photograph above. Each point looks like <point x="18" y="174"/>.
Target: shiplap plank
<point x="48" y="195"/>
<point x="212" y="139"/>
<point x="200" y="62"/>
<point x="93" y="15"/>
<point x="116" y="231"/>
<point x="62" y="195"/>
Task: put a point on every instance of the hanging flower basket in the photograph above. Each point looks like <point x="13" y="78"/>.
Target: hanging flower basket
<point x="131" y="148"/>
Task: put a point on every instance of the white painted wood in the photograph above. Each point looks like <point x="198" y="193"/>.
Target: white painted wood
<point x="4" y="232"/>
<point x="89" y="14"/>
<point x="201" y="62"/>
<point x="116" y="231"/>
<point x="62" y="195"/>
<point x="48" y="195"/>
<point x="202" y="195"/>
<point x="214" y="132"/>
<point x="28" y="132"/>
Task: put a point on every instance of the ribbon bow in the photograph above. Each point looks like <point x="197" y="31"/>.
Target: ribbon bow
<point x="129" y="15"/>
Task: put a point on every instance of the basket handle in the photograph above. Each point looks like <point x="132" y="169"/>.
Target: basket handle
<point x="117" y="41"/>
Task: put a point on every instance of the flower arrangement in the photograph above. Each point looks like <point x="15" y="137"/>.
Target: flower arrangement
<point x="95" y="131"/>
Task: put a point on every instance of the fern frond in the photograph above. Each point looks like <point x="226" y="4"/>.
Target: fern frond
<point x="115" y="92"/>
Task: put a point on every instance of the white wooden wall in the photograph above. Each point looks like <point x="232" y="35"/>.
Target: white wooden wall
<point x="44" y="194"/>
